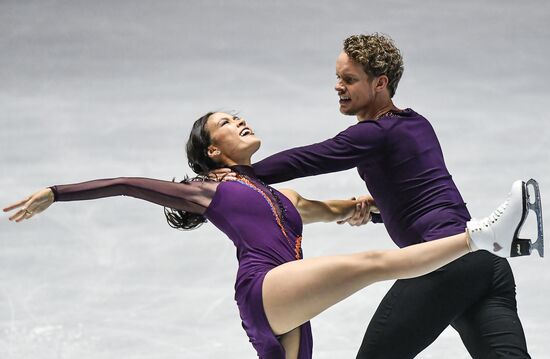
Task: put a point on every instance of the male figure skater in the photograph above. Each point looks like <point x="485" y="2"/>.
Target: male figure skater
<point x="398" y="155"/>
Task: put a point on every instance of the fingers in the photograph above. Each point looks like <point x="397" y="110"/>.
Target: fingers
<point x="231" y="176"/>
<point x="367" y="218"/>
<point x="222" y="174"/>
<point x="214" y="177"/>
<point x="15" y="205"/>
<point x="361" y="215"/>
<point x="364" y="208"/>
<point x="217" y="174"/>
<point x="356" y="216"/>
<point x="32" y="205"/>
<point x="23" y="213"/>
<point x="365" y="211"/>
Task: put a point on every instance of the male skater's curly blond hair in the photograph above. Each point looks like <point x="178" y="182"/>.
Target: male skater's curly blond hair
<point x="378" y="55"/>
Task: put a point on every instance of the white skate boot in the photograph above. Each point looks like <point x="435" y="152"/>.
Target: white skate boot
<point x="499" y="232"/>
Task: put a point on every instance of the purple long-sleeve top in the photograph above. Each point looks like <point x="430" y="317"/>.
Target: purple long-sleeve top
<point x="240" y="209"/>
<point x="400" y="159"/>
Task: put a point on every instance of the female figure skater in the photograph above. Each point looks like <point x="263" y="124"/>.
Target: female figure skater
<point x="278" y="292"/>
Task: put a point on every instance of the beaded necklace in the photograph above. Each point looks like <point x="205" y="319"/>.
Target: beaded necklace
<point x="280" y="219"/>
<point x="389" y="113"/>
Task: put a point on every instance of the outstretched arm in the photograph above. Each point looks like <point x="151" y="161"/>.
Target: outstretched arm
<point x="192" y="197"/>
<point x="311" y="211"/>
<point x="346" y="150"/>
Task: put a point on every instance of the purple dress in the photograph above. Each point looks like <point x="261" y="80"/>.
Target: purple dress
<point x="401" y="162"/>
<point x="245" y="211"/>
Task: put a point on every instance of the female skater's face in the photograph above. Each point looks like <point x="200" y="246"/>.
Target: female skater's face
<point x="233" y="141"/>
<point x="355" y="89"/>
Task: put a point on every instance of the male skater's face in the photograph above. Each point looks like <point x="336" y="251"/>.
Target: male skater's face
<point x="354" y="87"/>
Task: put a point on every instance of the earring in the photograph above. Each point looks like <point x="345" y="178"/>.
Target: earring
<point x="217" y="152"/>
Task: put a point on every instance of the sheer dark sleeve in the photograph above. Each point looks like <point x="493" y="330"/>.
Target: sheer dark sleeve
<point x="194" y="196"/>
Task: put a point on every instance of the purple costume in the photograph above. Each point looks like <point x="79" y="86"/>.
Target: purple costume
<point x="240" y="209"/>
<point x="401" y="162"/>
<point x="400" y="159"/>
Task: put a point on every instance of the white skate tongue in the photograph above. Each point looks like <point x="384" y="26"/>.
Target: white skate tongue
<point x="473" y="246"/>
<point x="471" y="243"/>
<point x="474" y="222"/>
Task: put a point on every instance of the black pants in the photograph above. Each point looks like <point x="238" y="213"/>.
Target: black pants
<point x="475" y="294"/>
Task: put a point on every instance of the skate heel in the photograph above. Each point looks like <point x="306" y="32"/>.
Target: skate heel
<point x="521" y="247"/>
<point x="534" y="203"/>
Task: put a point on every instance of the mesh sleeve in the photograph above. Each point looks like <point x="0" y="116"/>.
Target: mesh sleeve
<point x="194" y="196"/>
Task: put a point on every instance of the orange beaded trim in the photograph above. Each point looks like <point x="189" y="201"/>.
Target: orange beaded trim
<point x="298" y="242"/>
<point x="298" y="247"/>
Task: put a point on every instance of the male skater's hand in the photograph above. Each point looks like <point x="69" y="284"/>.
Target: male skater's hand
<point x="31" y="205"/>
<point x="363" y="210"/>
<point x="222" y="174"/>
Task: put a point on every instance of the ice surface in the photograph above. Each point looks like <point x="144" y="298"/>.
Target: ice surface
<point x="104" y="89"/>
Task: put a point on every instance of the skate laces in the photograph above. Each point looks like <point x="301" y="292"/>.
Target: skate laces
<point x="497" y="213"/>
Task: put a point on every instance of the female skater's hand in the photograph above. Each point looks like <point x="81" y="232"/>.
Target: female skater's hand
<point x="222" y="174"/>
<point x="31" y="205"/>
<point x="363" y="210"/>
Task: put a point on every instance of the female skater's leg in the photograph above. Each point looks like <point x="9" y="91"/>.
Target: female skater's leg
<point x="291" y="342"/>
<point x="295" y="292"/>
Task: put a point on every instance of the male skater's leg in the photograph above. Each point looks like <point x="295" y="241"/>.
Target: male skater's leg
<point x="415" y="311"/>
<point x="491" y="328"/>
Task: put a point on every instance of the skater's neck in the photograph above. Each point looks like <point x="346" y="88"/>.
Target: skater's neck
<point x="376" y="111"/>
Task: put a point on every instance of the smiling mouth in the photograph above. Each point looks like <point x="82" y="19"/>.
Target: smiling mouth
<point x="246" y="132"/>
<point x="344" y="99"/>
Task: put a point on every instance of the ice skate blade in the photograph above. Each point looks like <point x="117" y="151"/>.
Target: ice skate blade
<point x="535" y="204"/>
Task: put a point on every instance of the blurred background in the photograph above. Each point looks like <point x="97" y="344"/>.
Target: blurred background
<point x="99" y="89"/>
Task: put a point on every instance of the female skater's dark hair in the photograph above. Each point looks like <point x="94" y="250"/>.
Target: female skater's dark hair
<point x="197" y="148"/>
<point x="201" y="164"/>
